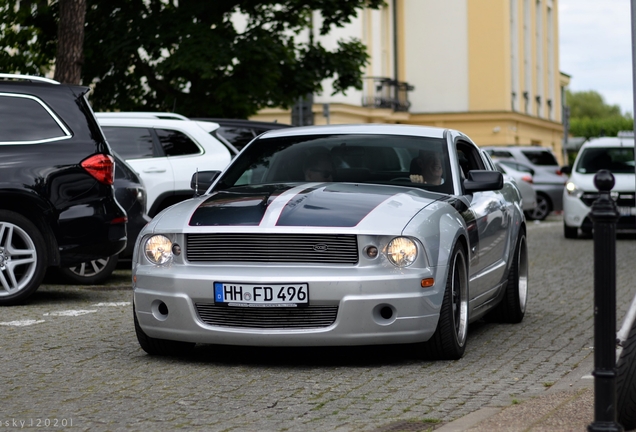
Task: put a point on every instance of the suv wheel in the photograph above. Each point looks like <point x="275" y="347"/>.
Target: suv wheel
<point x="22" y="258"/>
<point x="91" y="272"/>
<point x="542" y="210"/>
<point x="570" y="232"/>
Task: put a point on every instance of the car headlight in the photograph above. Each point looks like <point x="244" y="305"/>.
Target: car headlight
<point x="158" y="249"/>
<point x="401" y="251"/>
<point x="573" y="190"/>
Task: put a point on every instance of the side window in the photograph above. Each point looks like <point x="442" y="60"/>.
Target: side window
<point x="130" y="142"/>
<point x="25" y="120"/>
<point x="175" y="143"/>
<point x="469" y="158"/>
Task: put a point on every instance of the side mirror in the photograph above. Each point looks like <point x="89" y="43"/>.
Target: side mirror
<point x="483" y="180"/>
<point x="202" y="180"/>
<point x="567" y="170"/>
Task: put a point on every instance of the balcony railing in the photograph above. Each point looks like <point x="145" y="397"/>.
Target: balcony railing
<point x="381" y="92"/>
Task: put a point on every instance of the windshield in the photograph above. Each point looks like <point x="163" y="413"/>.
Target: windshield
<point x="619" y="160"/>
<point x="387" y="159"/>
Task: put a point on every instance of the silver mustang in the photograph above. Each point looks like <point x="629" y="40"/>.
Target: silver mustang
<point x="336" y="235"/>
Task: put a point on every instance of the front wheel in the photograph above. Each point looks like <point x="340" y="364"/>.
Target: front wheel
<point x="154" y="346"/>
<point x="570" y="232"/>
<point x="22" y="258"/>
<point x="449" y="340"/>
<point x="90" y="272"/>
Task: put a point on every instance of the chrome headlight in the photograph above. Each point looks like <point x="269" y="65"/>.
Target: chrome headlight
<point x="573" y="190"/>
<point x="401" y="251"/>
<point x="158" y="249"/>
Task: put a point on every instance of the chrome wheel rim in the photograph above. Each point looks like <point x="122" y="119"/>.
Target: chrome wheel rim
<point x="522" y="271"/>
<point x="460" y="298"/>
<point x="90" y="268"/>
<point x="18" y="259"/>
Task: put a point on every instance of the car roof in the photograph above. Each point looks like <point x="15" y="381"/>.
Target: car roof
<point x="244" y="122"/>
<point x="155" y="122"/>
<point x="375" y="128"/>
<point x="620" y="141"/>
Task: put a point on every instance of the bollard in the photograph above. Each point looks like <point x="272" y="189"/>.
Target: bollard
<point x="604" y="216"/>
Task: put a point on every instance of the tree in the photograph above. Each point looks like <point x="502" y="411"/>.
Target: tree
<point x="590" y="116"/>
<point x="223" y="58"/>
<point x="70" y="30"/>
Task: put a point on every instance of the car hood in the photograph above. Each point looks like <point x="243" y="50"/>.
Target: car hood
<point x="585" y="182"/>
<point x="332" y="206"/>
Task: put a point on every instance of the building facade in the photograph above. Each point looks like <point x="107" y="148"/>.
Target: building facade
<point x="489" y="68"/>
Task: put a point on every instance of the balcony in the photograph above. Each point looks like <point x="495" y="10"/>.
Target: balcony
<point x="381" y="92"/>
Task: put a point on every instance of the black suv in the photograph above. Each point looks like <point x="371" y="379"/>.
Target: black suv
<point x="57" y="203"/>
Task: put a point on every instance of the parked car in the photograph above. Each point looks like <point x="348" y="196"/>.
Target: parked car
<point x="131" y="195"/>
<point x="548" y="187"/>
<point x="165" y="152"/>
<point x="364" y="256"/>
<point x="525" y="182"/>
<point x="57" y="203"/>
<point x="615" y="154"/>
<point x="240" y="132"/>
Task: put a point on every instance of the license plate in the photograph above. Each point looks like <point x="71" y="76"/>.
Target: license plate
<point x="627" y="211"/>
<point x="248" y="295"/>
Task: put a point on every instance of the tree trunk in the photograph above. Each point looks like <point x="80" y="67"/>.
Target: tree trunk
<point x="70" y="41"/>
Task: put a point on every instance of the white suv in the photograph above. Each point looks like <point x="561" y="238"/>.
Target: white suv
<point x="165" y="152"/>
<point x="615" y="154"/>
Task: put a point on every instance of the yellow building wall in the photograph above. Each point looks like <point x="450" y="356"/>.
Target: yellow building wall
<point x="489" y="55"/>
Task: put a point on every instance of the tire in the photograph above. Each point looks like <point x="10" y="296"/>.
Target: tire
<point x="512" y="307"/>
<point x="542" y="209"/>
<point x="23" y="259"/>
<point x="449" y="340"/>
<point x="570" y="232"/>
<point x="626" y="382"/>
<point x="161" y="347"/>
<point x="91" y="272"/>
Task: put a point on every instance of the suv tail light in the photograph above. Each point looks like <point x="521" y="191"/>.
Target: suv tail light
<point x="100" y="166"/>
<point x="527" y="179"/>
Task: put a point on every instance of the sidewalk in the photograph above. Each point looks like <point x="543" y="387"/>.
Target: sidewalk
<point x="566" y="406"/>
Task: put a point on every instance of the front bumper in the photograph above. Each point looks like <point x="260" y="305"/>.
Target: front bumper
<point x="577" y="214"/>
<point x="166" y="302"/>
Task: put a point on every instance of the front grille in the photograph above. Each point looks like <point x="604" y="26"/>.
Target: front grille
<point x="279" y="248"/>
<point x="623" y="199"/>
<point x="266" y="317"/>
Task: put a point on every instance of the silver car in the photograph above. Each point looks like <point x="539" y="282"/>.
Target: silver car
<point x="332" y="236"/>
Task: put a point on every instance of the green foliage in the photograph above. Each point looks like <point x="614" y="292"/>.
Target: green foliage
<point x="189" y="56"/>
<point x="590" y="104"/>
<point x="591" y="117"/>
<point x="587" y="127"/>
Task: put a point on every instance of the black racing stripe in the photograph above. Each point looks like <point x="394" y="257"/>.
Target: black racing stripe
<point x="336" y="205"/>
<point x="240" y="206"/>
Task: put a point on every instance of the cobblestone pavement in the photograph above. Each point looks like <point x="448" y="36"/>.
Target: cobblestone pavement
<point x="71" y="358"/>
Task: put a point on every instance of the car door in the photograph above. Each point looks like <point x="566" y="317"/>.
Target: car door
<point x="139" y="148"/>
<point x="488" y="218"/>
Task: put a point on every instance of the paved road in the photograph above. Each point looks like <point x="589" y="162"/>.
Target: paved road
<point x="71" y="357"/>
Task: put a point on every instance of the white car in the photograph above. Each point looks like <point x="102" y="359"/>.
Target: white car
<point x="615" y="154"/>
<point x="165" y="152"/>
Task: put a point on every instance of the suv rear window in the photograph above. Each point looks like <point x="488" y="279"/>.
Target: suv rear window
<point x="541" y="158"/>
<point x="25" y="120"/>
<point x="499" y="154"/>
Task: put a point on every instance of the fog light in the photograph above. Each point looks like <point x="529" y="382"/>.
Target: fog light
<point x="371" y="251"/>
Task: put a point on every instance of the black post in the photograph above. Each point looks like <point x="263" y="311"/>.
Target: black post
<point x="604" y="215"/>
